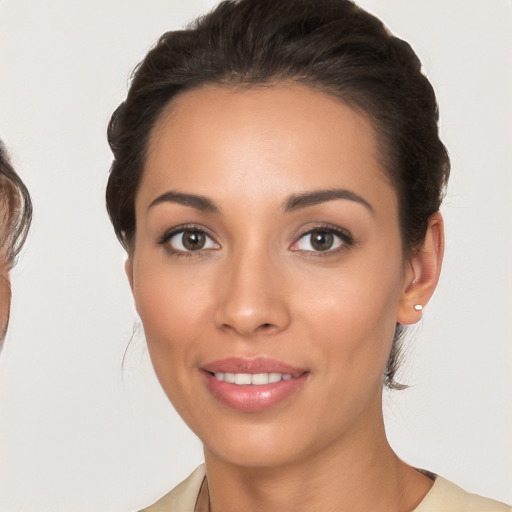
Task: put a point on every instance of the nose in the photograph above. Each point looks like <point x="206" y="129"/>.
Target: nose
<point x="253" y="298"/>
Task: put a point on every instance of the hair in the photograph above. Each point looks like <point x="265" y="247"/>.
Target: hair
<point x="330" y="45"/>
<point x="15" y="209"/>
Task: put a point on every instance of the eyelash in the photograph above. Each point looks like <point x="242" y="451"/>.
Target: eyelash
<point x="346" y="238"/>
<point x="167" y="236"/>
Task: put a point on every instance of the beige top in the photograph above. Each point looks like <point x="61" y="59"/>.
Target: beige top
<point x="442" y="497"/>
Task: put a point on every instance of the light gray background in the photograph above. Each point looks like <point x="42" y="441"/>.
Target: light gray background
<point x="79" y="434"/>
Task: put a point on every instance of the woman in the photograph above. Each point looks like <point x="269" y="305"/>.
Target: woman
<point x="15" y="217"/>
<point x="277" y="180"/>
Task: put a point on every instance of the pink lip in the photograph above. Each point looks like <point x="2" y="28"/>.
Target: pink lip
<point x="257" y="365"/>
<point x="250" y="398"/>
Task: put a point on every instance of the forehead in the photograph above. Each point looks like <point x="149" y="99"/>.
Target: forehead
<point x="260" y="143"/>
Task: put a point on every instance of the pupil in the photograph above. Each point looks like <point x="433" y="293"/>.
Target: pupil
<point x="193" y="240"/>
<point x="322" y="241"/>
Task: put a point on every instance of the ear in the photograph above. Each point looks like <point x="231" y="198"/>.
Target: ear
<point x="128" y="268"/>
<point x="423" y="273"/>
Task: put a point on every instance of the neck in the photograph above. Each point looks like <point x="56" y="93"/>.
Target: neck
<point x="359" y="471"/>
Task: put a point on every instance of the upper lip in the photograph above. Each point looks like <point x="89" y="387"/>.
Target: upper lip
<point x="252" y="365"/>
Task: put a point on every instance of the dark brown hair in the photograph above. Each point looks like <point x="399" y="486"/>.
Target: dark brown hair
<point x="15" y="209"/>
<point x="330" y="45"/>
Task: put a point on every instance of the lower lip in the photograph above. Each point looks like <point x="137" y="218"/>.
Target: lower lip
<point x="251" y="398"/>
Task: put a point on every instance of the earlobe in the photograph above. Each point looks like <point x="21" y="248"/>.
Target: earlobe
<point x="128" y="268"/>
<point x="425" y="267"/>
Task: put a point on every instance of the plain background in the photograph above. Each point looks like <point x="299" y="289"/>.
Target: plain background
<point x="79" y="433"/>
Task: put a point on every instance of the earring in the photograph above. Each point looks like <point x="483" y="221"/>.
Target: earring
<point x="418" y="307"/>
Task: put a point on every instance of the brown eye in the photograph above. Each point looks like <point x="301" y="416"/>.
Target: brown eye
<point x="190" y="240"/>
<point x="193" y="240"/>
<point x="322" y="240"/>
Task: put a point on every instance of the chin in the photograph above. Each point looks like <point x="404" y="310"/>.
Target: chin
<point x="248" y="451"/>
<point x="276" y="442"/>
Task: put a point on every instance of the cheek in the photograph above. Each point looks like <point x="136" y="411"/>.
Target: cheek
<point x="174" y="312"/>
<point x="354" y="311"/>
<point x="167" y="328"/>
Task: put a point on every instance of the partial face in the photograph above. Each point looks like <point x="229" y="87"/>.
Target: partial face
<point x="268" y="253"/>
<point x="5" y="294"/>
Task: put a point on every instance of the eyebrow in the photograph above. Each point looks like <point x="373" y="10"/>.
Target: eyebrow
<point x="200" y="203"/>
<point x="314" y="197"/>
<point x="294" y="202"/>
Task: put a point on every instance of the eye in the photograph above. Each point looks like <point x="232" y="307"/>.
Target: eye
<point x="322" y="240"/>
<point x="188" y="240"/>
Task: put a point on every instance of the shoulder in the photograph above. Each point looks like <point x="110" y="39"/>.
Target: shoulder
<point x="183" y="497"/>
<point x="443" y="497"/>
<point x="446" y="496"/>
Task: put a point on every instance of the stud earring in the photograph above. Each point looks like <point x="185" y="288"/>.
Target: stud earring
<point x="418" y="307"/>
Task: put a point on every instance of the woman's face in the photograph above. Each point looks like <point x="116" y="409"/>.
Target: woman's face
<point x="268" y="252"/>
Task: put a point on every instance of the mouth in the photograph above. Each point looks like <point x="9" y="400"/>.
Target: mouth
<point x="253" y="385"/>
<point x="254" y="379"/>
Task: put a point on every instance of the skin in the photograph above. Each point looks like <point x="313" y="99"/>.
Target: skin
<point x="259" y="289"/>
<point x="5" y="294"/>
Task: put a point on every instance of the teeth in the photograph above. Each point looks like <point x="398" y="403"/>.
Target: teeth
<point x="256" y="379"/>
<point x="243" y="378"/>
<point x="260" y="378"/>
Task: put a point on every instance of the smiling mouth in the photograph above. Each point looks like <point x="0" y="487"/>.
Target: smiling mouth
<point x="253" y="385"/>
<point x="254" y="379"/>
